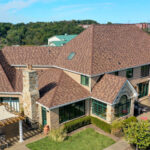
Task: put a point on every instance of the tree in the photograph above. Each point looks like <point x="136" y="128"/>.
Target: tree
<point x="138" y="133"/>
<point x="109" y="22"/>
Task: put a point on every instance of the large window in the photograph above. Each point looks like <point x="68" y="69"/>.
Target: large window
<point x="123" y="107"/>
<point x="71" y="111"/>
<point x="145" y="71"/>
<point x="129" y="73"/>
<point x="13" y="102"/>
<point x="143" y="89"/>
<point x="99" y="108"/>
<point x="84" y="80"/>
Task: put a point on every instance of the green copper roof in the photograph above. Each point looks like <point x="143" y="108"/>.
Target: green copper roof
<point x="59" y="43"/>
<point x="64" y="39"/>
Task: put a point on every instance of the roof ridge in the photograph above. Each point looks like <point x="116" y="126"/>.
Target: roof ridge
<point x="60" y="77"/>
<point x="92" y="48"/>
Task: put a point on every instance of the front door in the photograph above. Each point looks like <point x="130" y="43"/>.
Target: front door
<point x="44" y="120"/>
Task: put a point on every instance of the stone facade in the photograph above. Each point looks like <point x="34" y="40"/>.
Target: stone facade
<point x="30" y="94"/>
<point x="54" y="118"/>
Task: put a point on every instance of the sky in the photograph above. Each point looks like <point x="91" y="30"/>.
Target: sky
<point x="102" y="11"/>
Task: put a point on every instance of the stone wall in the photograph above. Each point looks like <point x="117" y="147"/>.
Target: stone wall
<point x="54" y="118"/>
<point x="30" y="94"/>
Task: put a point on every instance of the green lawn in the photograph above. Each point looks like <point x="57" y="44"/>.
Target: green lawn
<point x="85" y="140"/>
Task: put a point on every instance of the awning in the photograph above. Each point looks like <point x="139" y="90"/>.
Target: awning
<point x="7" y="117"/>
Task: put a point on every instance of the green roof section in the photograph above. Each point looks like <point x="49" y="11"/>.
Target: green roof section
<point x="63" y="39"/>
<point x="59" y="43"/>
<point x="66" y="37"/>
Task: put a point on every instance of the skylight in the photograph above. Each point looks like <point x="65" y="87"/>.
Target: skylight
<point x="71" y="55"/>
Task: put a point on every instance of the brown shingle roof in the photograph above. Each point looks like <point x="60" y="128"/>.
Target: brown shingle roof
<point x="108" y="88"/>
<point x="5" y="85"/>
<point x="106" y="48"/>
<point x="57" y="88"/>
<point x="99" y="49"/>
<point x="35" y="55"/>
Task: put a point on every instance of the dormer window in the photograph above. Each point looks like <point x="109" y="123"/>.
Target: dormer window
<point x="71" y="55"/>
<point x="84" y="80"/>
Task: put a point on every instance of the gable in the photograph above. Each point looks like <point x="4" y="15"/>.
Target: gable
<point x="127" y="90"/>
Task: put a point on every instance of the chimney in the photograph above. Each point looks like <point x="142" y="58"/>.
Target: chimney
<point x="30" y="93"/>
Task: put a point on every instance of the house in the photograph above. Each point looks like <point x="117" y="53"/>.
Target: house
<point x="60" y="40"/>
<point x="144" y="26"/>
<point x="100" y="73"/>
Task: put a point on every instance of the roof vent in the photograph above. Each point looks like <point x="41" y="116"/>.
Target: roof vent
<point x="71" y="55"/>
<point x="119" y="63"/>
<point x="49" y="51"/>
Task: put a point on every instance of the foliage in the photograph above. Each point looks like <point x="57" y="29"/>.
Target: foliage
<point x="39" y="32"/>
<point x="129" y="120"/>
<point x="101" y="124"/>
<point x="118" y="125"/>
<point x="138" y="133"/>
<point x="117" y="128"/>
<point x="78" y="123"/>
<point x="87" y="139"/>
<point x="58" y="135"/>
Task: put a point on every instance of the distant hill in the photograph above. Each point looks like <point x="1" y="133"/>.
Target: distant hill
<point x="38" y="33"/>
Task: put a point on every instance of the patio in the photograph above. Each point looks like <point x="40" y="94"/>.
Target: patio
<point x="144" y="109"/>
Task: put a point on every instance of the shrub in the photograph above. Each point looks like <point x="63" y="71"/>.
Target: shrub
<point x="128" y="121"/>
<point x="101" y="124"/>
<point x="138" y="133"/>
<point x="78" y="123"/>
<point x="117" y="128"/>
<point x="118" y="125"/>
<point x="58" y="135"/>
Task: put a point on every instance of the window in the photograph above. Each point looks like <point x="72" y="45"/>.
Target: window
<point x="71" y="111"/>
<point x="99" y="109"/>
<point x="71" y="55"/>
<point x="84" y="80"/>
<point x="123" y="107"/>
<point x="129" y="73"/>
<point x="116" y="73"/>
<point x="143" y="89"/>
<point x="145" y="71"/>
<point x="11" y="101"/>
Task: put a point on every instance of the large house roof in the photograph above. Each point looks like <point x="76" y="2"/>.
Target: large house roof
<point x="108" y="88"/>
<point x="106" y="48"/>
<point x="99" y="49"/>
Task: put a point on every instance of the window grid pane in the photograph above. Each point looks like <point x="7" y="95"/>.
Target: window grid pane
<point x="123" y="107"/>
<point x="99" y="109"/>
<point x="71" y="111"/>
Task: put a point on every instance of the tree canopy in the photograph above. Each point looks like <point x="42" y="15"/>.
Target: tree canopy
<point x="39" y="32"/>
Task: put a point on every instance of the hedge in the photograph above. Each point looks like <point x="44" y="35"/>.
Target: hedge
<point x="101" y="124"/>
<point x="78" y="123"/>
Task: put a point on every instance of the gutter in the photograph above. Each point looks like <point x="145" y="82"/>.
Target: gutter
<point x="11" y="93"/>
<point x="95" y="75"/>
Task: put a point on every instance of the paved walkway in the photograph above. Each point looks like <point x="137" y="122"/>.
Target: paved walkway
<point x="22" y="146"/>
<point x="120" y="144"/>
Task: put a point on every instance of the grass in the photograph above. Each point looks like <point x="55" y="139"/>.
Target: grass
<point x="87" y="139"/>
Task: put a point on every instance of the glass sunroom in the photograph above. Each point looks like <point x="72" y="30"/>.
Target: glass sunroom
<point x="122" y="108"/>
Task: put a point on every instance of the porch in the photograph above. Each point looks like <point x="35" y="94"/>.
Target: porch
<point x="144" y="109"/>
